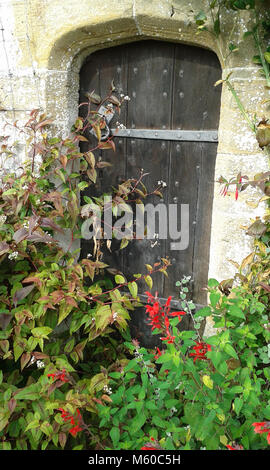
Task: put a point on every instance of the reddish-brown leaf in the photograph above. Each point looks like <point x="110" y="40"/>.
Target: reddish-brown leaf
<point x="62" y="439"/>
<point x="25" y="358"/>
<point x="12" y="404"/>
<point x="4" y="248"/>
<point x="20" y="294"/>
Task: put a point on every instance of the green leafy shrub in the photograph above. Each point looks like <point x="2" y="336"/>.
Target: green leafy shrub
<point x="196" y="393"/>
<point x="60" y="316"/>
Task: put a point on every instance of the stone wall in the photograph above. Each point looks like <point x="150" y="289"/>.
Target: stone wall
<point x="43" y="44"/>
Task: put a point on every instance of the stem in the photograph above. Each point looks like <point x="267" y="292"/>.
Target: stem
<point x="265" y="65"/>
<point x="240" y="106"/>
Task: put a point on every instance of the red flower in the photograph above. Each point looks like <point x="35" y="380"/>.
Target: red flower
<point x="224" y="191"/>
<point x="74" y="421"/>
<point x="158" y="353"/>
<point x="262" y="427"/>
<point x="155" y="314"/>
<point x="74" y="431"/>
<point x="150" y="296"/>
<point x="158" y="316"/>
<point x="148" y="448"/>
<point x="51" y="375"/>
<point x="201" y="349"/>
<point x="169" y="338"/>
<point x="177" y="314"/>
<point x="60" y="375"/>
<point x="236" y="190"/>
<point x="235" y="447"/>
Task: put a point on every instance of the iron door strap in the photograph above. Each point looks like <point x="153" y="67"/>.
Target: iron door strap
<point x="168" y="134"/>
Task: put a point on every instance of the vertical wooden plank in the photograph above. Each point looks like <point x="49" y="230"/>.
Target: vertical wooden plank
<point x="183" y="184"/>
<point x="152" y="157"/>
<point x="203" y="220"/>
<point x="197" y="101"/>
<point x="149" y="84"/>
<point x="101" y="69"/>
<point x="104" y="67"/>
<point x="150" y="89"/>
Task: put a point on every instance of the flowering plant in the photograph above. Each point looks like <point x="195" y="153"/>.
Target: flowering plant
<point x="193" y="392"/>
<point x="57" y="311"/>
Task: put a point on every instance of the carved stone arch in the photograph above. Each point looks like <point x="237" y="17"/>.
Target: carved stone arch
<point x="69" y="50"/>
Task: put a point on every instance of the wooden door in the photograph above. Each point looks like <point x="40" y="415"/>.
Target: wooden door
<point x="173" y="99"/>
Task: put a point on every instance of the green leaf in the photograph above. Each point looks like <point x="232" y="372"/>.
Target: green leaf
<point x="151" y="405"/>
<point x="62" y="363"/>
<point x="103" y="316"/>
<point x="27" y="394"/>
<point x="115" y="435"/>
<point x="236" y="312"/>
<point x="208" y="382"/>
<point x="41" y="332"/>
<point x="149" y="281"/>
<point x="124" y="243"/>
<point x="18" y="350"/>
<point x="213" y="283"/>
<point x="137" y="423"/>
<point x="256" y="59"/>
<point x="200" y="18"/>
<point x="230" y="350"/>
<point x="159" y="422"/>
<point x="217" y="26"/>
<point x="166" y="357"/>
<point x="238" y="403"/>
<point x="119" y="279"/>
<point x="214" y="298"/>
<point x="64" y="311"/>
<point x="32" y="425"/>
<point x="133" y="289"/>
<point x="132" y="365"/>
<point x="267" y="57"/>
<point x="203" y="312"/>
<point x="3" y="422"/>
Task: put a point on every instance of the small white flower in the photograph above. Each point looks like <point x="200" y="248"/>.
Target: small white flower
<point x="13" y="255"/>
<point x="89" y="255"/>
<point x="115" y="315"/>
<point x="126" y="98"/>
<point x="121" y="126"/>
<point x="40" y="364"/>
<point x="173" y="410"/>
<point x="162" y="183"/>
<point x="3" y="218"/>
<point x="107" y="389"/>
